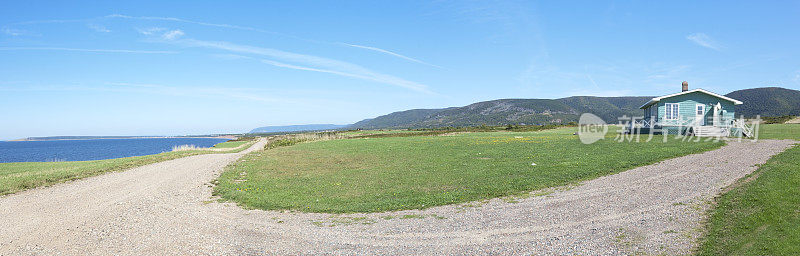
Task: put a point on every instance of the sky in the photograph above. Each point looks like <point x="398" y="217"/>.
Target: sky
<point x="201" y="67"/>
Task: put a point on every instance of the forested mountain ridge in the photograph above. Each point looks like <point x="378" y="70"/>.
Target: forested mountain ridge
<point x="510" y="111"/>
<point x="767" y="101"/>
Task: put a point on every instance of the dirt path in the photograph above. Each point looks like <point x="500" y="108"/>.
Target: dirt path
<point x="165" y="208"/>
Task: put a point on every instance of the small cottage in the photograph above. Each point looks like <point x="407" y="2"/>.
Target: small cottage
<point x="691" y="112"/>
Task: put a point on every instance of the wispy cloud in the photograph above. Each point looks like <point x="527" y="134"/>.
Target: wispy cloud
<point x="278" y="58"/>
<point x="390" y="53"/>
<point x="82" y="50"/>
<point x="606" y="79"/>
<point x="600" y="93"/>
<point x="661" y="73"/>
<point x="220" y="25"/>
<point x="252" y="94"/>
<point x="308" y="62"/>
<point x="150" y="31"/>
<point x="31" y="22"/>
<point x="376" y="78"/>
<point x="704" y="40"/>
<point x="544" y="74"/>
<point x="156" y="30"/>
<point x="98" y="28"/>
<point x="13" y="32"/>
<point x="588" y="76"/>
<point x="172" y="35"/>
<point x="796" y="78"/>
<point x="270" y="97"/>
<point x="381" y="78"/>
<point x="229" y="56"/>
<point x="193" y="91"/>
<point x="150" y="18"/>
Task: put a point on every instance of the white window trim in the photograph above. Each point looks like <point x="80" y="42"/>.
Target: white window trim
<point x="674" y="116"/>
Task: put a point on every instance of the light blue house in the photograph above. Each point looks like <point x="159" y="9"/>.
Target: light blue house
<point x="691" y="112"/>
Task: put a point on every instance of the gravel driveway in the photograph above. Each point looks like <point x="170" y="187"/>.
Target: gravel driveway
<point x="165" y="208"/>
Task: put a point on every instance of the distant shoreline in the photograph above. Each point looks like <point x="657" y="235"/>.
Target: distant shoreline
<point x="124" y="137"/>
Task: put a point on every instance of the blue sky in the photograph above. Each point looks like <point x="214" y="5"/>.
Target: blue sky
<point x="153" y="68"/>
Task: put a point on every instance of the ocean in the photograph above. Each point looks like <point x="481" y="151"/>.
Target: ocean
<point x="92" y="149"/>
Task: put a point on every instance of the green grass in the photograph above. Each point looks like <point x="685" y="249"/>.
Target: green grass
<point x="396" y="173"/>
<point x="231" y="144"/>
<point x="442" y="130"/>
<point x="15" y="177"/>
<point x="759" y="216"/>
<point x="779" y="131"/>
<point x="370" y="132"/>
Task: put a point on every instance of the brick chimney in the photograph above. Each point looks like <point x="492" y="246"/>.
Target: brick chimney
<point x="684" y="86"/>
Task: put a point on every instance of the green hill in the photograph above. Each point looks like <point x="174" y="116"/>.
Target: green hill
<point x="510" y="111"/>
<point x="767" y="101"/>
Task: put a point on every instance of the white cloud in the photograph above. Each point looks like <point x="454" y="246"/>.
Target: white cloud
<point x="390" y="53"/>
<point x="150" y="31"/>
<point x="82" y="50"/>
<point x="99" y="28"/>
<point x="317" y="64"/>
<point x="172" y="35"/>
<point x="704" y="40"/>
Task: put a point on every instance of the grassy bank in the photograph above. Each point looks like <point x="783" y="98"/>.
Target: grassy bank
<point x="396" y="173"/>
<point x="759" y="216"/>
<point x="231" y="144"/>
<point x="15" y="177"/>
<point x="779" y="131"/>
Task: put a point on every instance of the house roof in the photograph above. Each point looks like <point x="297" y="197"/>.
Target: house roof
<point x="657" y="99"/>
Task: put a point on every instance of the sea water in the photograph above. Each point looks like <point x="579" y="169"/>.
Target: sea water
<point x="92" y="149"/>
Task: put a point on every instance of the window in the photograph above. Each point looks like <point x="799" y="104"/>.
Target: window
<point x="671" y="111"/>
<point x="654" y="112"/>
<point x="700" y="110"/>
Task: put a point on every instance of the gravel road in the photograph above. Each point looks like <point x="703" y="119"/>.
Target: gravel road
<point x="166" y="208"/>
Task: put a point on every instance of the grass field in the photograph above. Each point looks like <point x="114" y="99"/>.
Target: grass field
<point x="759" y="216"/>
<point x="396" y="173"/>
<point x="231" y="144"/>
<point x="779" y="131"/>
<point x="370" y="132"/>
<point x="15" y="177"/>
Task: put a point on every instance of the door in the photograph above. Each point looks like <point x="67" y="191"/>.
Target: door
<point x="700" y="114"/>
